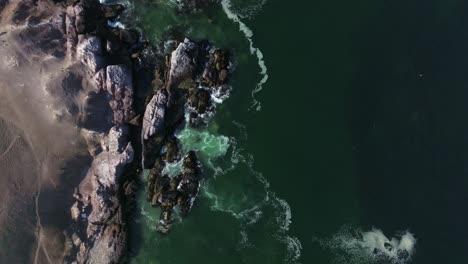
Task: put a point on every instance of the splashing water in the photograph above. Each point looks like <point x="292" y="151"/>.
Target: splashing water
<point x="355" y="246"/>
<point x="211" y="146"/>
<point x="226" y="4"/>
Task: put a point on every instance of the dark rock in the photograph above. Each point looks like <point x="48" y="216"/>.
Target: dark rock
<point x="172" y="150"/>
<point x="190" y="182"/>
<point x="154" y="176"/>
<point x="112" y="11"/>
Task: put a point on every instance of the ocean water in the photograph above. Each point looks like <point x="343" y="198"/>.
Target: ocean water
<point x="343" y="140"/>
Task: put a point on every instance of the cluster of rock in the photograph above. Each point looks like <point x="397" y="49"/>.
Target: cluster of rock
<point x="94" y="90"/>
<point x="184" y="85"/>
<point x="104" y="91"/>
<point x="100" y="234"/>
<point x="104" y="58"/>
<point x="180" y="190"/>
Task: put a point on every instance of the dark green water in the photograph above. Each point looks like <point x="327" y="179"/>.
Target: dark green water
<point x="362" y="126"/>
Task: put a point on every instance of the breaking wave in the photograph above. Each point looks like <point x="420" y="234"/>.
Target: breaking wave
<point x="354" y="246"/>
<point x="248" y="33"/>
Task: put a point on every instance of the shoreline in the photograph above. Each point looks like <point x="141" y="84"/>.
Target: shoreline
<point x="124" y="90"/>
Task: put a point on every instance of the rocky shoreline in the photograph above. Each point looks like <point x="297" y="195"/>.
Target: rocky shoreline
<point x="194" y="74"/>
<point x="128" y="101"/>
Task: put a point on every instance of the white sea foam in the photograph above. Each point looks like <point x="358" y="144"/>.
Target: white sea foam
<point x="115" y="24"/>
<point x="220" y="94"/>
<point x="226" y="4"/>
<point x="294" y="247"/>
<point x="247" y="9"/>
<point x="250" y="214"/>
<point x="285" y="216"/>
<point x="354" y="246"/>
<point x="173" y="169"/>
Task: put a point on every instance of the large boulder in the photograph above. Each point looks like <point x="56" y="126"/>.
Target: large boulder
<point x="182" y="62"/>
<point x="98" y="201"/>
<point x="119" y="86"/>
<point x="89" y="52"/>
<point x="153" y="120"/>
<point x="72" y="34"/>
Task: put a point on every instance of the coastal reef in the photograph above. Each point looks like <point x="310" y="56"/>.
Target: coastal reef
<point x="186" y="86"/>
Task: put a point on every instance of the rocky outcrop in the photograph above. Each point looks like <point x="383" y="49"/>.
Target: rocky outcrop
<point x="98" y="209"/>
<point x="189" y="183"/>
<point x="167" y="192"/>
<point x="194" y="73"/>
<point x="99" y="234"/>
<point x="89" y="52"/>
<point x="153" y="120"/>
<point x="95" y="89"/>
<point x="86" y="85"/>
<point x="182" y="65"/>
<point x="119" y="87"/>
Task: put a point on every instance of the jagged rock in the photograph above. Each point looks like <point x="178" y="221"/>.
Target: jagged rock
<point x="80" y="24"/>
<point x="111" y="246"/>
<point x="112" y="11"/>
<point x="153" y="120"/>
<point x="119" y="85"/>
<point x="172" y="150"/>
<point x="182" y="64"/>
<point x="200" y="100"/>
<point x="89" y="52"/>
<point x="72" y="34"/>
<point x="167" y="192"/>
<point x="216" y="71"/>
<point x="154" y="177"/>
<point x="190" y="182"/>
<point x="105" y="232"/>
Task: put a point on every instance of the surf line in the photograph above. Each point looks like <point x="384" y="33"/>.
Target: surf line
<point x="226" y="4"/>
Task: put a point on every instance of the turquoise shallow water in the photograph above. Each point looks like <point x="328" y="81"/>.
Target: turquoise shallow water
<point x="238" y="217"/>
<point x="359" y="141"/>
